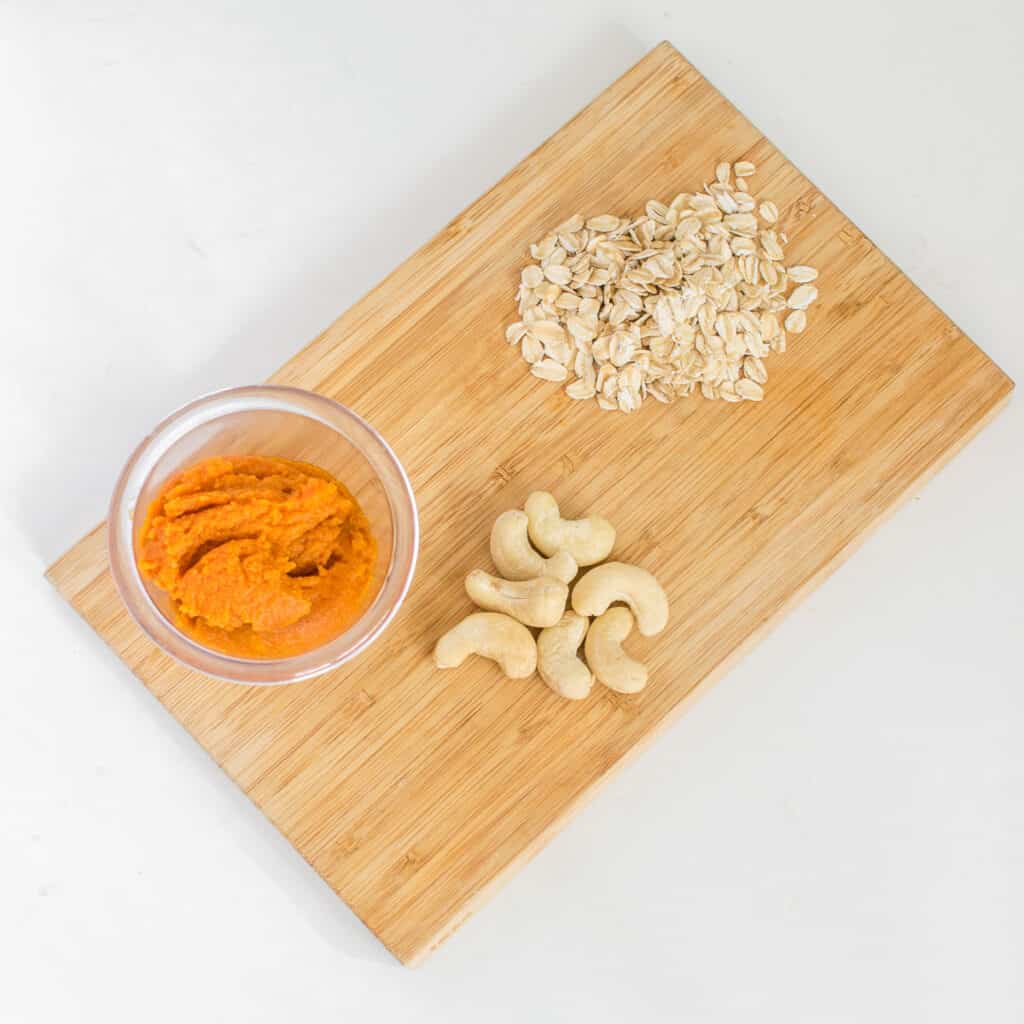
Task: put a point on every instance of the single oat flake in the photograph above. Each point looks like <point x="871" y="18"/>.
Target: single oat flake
<point x="691" y="296"/>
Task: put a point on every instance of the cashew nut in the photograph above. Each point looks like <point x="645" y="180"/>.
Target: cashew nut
<point x="557" y="662"/>
<point x="588" y="540"/>
<point x="612" y="666"/>
<point x="538" y="602"/>
<point x="617" y="581"/>
<point x="516" y="560"/>
<point x="493" y="636"/>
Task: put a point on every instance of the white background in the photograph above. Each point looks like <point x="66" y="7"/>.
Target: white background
<point x="188" y="193"/>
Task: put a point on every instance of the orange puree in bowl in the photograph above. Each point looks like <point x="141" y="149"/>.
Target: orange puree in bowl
<point x="261" y="557"/>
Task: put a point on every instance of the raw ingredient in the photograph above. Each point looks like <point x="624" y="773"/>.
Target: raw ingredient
<point x="261" y="557"/>
<point x="540" y="600"/>
<point x="612" y="666"/>
<point x="557" y="661"/>
<point x="490" y="635"/>
<point x="516" y="560"/>
<point x="692" y="295"/>
<point x="616" y="581"/>
<point x="588" y="540"/>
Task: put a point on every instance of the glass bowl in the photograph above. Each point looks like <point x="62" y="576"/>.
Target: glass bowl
<point x="288" y="423"/>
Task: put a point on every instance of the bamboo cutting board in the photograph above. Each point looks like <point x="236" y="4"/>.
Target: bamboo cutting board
<point x="413" y="792"/>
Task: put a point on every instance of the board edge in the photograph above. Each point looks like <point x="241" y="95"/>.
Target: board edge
<point x="417" y="955"/>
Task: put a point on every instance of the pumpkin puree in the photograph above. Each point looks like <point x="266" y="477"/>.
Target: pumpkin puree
<point x="261" y="557"/>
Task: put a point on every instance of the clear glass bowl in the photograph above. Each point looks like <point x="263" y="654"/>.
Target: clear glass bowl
<point x="276" y="421"/>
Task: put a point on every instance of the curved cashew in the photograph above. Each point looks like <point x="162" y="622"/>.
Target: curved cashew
<point x="557" y="662"/>
<point x="493" y="636"/>
<point x="538" y="602"/>
<point x="612" y="666"/>
<point x="516" y="560"/>
<point x="588" y="540"/>
<point x="617" y="581"/>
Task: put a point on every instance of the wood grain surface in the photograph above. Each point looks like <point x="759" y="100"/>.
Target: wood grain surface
<point x="412" y="791"/>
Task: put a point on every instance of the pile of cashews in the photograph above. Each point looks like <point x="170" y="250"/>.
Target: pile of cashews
<point x="537" y="554"/>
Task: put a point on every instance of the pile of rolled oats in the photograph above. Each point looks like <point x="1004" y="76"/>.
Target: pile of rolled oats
<point x="692" y="294"/>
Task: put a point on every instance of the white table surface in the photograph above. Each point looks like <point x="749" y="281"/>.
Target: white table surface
<point x="188" y="193"/>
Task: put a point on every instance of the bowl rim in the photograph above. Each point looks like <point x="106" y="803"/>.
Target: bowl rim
<point x="178" y="645"/>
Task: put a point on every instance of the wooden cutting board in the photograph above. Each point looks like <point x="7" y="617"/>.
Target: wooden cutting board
<point x="414" y="792"/>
